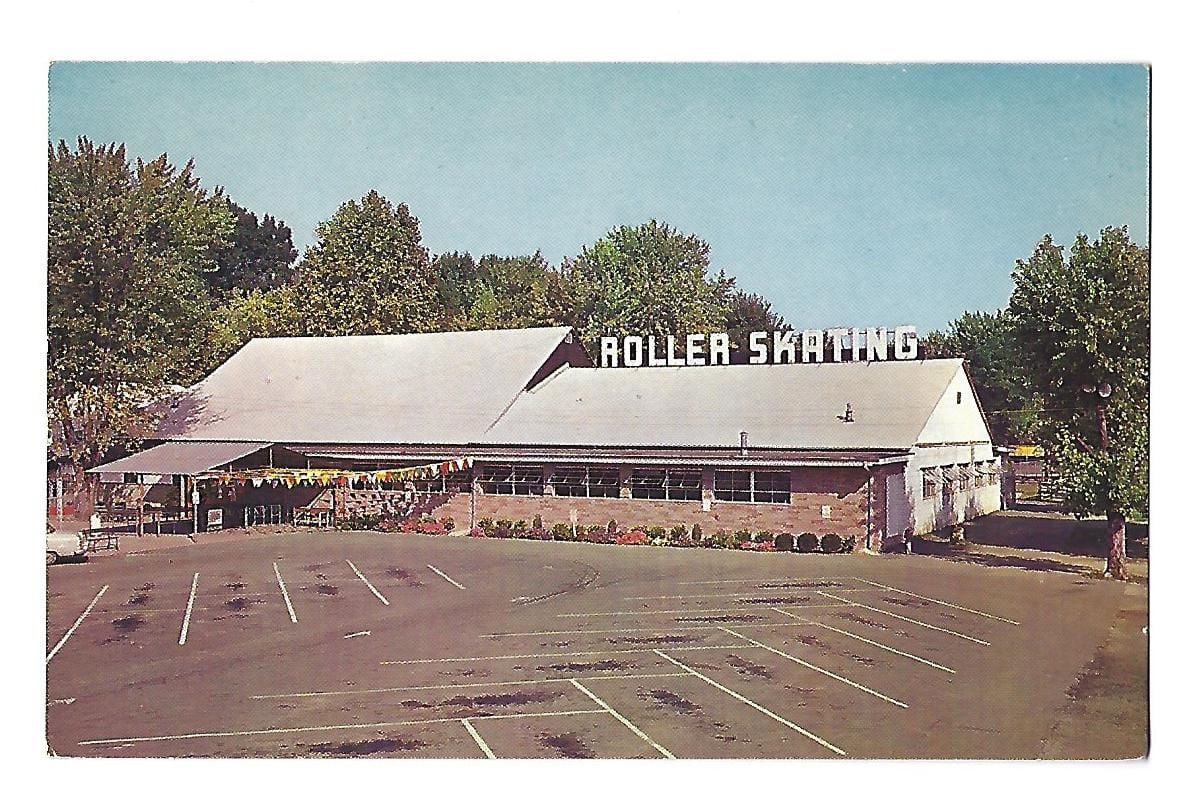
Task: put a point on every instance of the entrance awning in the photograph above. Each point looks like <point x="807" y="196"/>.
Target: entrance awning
<point x="180" y="457"/>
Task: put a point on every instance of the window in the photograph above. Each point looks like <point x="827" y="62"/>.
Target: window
<point x="929" y="483"/>
<point x="664" y="483"/>
<point x="579" y="481"/>
<point x="752" y="486"/>
<point x="522" y="480"/>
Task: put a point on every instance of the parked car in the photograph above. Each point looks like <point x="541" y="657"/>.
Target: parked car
<point x="62" y="544"/>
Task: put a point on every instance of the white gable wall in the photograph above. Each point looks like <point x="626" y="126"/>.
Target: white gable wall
<point x="954" y="434"/>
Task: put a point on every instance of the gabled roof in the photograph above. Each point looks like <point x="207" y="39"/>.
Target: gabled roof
<point x="415" y="388"/>
<point x="794" y="406"/>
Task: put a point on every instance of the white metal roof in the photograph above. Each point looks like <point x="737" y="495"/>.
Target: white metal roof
<point x="780" y="406"/>
<point x="179" y="458"/>
<point x="415" y="388"/>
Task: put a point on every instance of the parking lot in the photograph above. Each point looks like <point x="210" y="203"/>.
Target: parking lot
<point x="314" y="644"/>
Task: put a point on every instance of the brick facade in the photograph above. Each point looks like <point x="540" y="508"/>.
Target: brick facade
<point x="843" y="491"/>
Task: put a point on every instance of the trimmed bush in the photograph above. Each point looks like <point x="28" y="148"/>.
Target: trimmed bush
<point x="562" y="532"/>
<point x="721" y="539"/>
<point x="697" y="533"/>
<point x="784" y="542"/>
<point x="832" y="543"/>
<point x="503" y="531"/>
<point x="449" y="524"/>
<point x="641" y="528"/>
<point x="764" y="537"/>
<point x="537" y="534"/>
<point x="742" y="536"/>
<point x="486" y="524"/>
<point x="537" y="524"/>
<point x="850" y="544"/>
<point x="656" y="532"/>
<point x="612" y="526"/>
<point x="807" y="542"/>
<point x="519" y="527"/>
<point x="679" y="535"/>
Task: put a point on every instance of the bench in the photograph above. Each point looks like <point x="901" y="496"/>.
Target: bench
<point x="98" y="538"/>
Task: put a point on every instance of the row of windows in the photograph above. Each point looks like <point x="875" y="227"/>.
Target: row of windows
<point x="955" y="478"/>
<point x="676" y="484"/>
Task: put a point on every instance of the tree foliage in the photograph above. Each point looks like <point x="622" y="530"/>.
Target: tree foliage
<point x="368" y="273"/>
<point x="649" y="279"/>
<point x="259" y="256"/>
<point x="987" y="343"/>
<point x="513" y="292"/>
<point x="253" y="314"/>
<point x="127" y="310"/>
<point x="1082" y="324"/>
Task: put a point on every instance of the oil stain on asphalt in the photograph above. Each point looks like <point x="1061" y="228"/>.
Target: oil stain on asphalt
<point x="670" y="700"/>
<point x="747" y="668"/>
<point x="600" y="665"/>
<point x="367" y="747"/>
<point x="567" y="744"/>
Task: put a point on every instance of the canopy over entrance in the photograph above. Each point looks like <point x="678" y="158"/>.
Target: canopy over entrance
<point x="189" y="457"/>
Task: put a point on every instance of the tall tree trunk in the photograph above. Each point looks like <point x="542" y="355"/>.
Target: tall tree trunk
<point x="1116" y="546"/>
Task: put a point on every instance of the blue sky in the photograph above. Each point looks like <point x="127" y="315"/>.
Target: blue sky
<point x="865" y="194"/>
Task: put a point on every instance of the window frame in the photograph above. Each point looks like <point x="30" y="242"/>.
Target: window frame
<point x="731" y="491"/>
<point x="646" y="483"/>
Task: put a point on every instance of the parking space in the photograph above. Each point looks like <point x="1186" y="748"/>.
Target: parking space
<point x="341" y="645"/>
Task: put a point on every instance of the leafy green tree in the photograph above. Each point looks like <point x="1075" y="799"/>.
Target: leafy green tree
<point x="368" y="273"/>
<point x="260" y="255"/>
<point x="513" y="292"/>
<point x="253" y="314"/>
<point x="749" y="313"/>
<point x="987" y="343"/>
<point x="649" y="279"/>
<point x="456" y="280"/>
<point x="127" y="311"/>
<point x="1082" y="325"/>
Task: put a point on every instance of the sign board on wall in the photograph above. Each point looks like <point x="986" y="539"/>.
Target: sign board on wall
<point x="779" y="347"/>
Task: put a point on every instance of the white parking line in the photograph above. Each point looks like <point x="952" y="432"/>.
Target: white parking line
<point x="681" y="610"/>
<point x="453" y="686"/>
<point x="445" y="577"/>
<point x="631" y="630"/>
<point x="285" y="594"/>
<point x="908" y="619"/>
<point x="942" y="603"/>
<point x="666" y="753"/>
<point x="77" y="623"/>
<point x="874" y="643"/>
<point x="476" y="737"/>
<point x="224" y="734"/>
<point x="190" y="605"/>
<point x="753" y="704"/>
<point x="372" y="588"/>
<point x="820" y="670"/>
<point x="719" y="595"/>
<point x="554" y="654"/>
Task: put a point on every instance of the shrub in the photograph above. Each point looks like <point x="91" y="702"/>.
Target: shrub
<point x="784" y="542"/>
<point x="505" y="524"/>
<point x="656" y="532"/>
<point x="721" y="539"/>
<point x="697" y="533"/>
<point x="486" y="524"/>
<point x="432" y="528"/>
<point x="612" y="526"/>
<point x="503" y="530"/>
<point x="764" y="536"/>
<point x="641" y="528"/>
<point x="832" y="543"/>
<point x="759" y="546"/>
<point x="519" y="527"/>
<point x="633" y="537"/>
<point x="850" y="544"/>
<point x="537" y="533"/>
<point x="679" y="535"/>
<point x="742" y="536"/>
<point x="597" y="534"/>
<point x="562" y="532"/>
<point x="477" y="532"/>
<point x="449" y="524"/>
<point x="537" y="524"/>
<point x="807" y="542"/>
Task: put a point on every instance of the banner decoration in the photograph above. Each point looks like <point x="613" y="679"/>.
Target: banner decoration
<point x="326" y="477"/>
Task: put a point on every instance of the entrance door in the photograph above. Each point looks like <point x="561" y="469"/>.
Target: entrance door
<point x="898" y="505"/>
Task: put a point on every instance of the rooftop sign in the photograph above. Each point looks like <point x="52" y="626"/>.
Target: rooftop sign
<point x="779" y="347"/>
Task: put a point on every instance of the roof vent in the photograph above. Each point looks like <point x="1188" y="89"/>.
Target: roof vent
<point x="848" y="416"/>
<point x="745" y="443"/>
